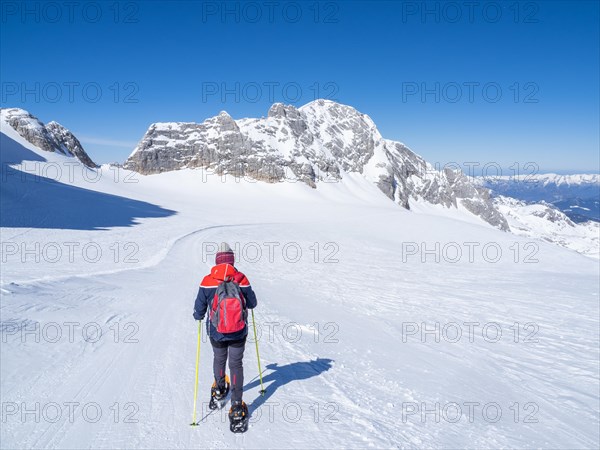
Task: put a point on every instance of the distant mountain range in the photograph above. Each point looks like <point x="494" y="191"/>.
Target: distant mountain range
<point x="578" y="196"/>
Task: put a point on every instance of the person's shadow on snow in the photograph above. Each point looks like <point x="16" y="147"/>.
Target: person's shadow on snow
<point x="282" y="375"/>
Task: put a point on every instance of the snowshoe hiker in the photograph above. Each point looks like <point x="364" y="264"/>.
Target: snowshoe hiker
<point x="227" y="295"/>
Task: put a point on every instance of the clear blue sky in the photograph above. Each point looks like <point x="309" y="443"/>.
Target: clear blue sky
<point x="379" y="57"/>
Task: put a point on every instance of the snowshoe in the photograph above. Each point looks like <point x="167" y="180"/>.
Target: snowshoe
<point x="238" y="417"/>
<point x="218" y="395"/>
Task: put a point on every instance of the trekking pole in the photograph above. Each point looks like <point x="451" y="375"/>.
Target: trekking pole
<point x="262" y="389"/>
<point x="194" y="423"/>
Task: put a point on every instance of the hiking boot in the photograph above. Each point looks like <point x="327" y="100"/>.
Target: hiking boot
<point x="218" y="394"/>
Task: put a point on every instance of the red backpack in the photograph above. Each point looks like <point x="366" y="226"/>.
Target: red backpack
<point x="228" y="313"/>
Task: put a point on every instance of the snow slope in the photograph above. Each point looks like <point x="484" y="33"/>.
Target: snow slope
<point x="543" y="221"/>
<point x="346" y="281"/>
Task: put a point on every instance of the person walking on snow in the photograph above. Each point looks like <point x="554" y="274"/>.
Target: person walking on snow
<point x="227" y="294"/>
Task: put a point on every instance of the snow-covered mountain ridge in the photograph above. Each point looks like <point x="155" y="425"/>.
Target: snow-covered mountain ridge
<point x="320" y="141"/>
<point x="51" y="137"/>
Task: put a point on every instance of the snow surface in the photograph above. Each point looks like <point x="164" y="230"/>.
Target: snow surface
<point x="359" y="375"/>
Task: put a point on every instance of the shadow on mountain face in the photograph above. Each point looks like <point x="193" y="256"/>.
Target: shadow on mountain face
<point x="11" y="152"/>
<point x="31" y="201"/>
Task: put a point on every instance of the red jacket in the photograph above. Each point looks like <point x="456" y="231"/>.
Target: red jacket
<point x="206" y="293"/>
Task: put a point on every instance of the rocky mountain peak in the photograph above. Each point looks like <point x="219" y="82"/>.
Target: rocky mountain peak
<point x="52" y="137"/>
<point x="322" y="140"/>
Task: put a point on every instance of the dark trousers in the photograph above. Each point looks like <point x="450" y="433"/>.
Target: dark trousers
<point x="235" y="351"/>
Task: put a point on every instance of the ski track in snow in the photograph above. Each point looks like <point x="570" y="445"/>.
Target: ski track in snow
<point x="149" y="384"/>
<point x="363" y="388"/>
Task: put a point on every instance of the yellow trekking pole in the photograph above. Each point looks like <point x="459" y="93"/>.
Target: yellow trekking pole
<point x="262" y="389"/>
<point x="194" y="423"/>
